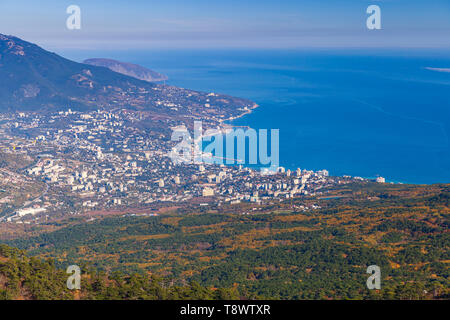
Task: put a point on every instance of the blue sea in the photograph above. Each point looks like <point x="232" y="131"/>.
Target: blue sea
<point x="363" y="113"/>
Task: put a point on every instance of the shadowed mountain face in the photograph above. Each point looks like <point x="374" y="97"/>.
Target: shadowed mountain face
<point x="129" y="69"/>
<point x="34" y="79"/>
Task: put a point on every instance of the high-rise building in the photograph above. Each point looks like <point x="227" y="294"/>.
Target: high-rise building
<point x="208" y="192"/>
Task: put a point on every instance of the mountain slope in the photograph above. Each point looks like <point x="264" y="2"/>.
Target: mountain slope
<point x="129" y="69"/>
<point x="25" y="278"/>
<point x="32" y="78"/>
<point x="280" y="251"/>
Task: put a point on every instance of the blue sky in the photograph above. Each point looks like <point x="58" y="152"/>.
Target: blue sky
<point x="228" y="23"/>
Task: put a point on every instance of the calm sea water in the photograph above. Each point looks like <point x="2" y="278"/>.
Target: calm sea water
<point x="360" y="113"/>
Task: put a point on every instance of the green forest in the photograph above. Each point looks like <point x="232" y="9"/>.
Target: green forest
<point x="281" y="252"/>
<point x="25" y="278"/>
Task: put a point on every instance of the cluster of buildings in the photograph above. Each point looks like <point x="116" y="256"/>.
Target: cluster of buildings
<point x="104" y="160"/>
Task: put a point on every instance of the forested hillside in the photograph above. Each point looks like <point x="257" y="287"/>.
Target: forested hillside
<point x="308" y="248"/>
<point x="28" y="278"/>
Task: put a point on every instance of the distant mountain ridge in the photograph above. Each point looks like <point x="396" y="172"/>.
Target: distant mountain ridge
<point x="33" y="79"/>
<point x="129" y="69"/>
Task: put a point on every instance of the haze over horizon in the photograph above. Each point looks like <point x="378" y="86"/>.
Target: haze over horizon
<point x="266" y="24"/>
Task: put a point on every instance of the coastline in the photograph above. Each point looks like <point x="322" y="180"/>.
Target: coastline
<point x="248" y="111"/>
<point x="227" y="127"/>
